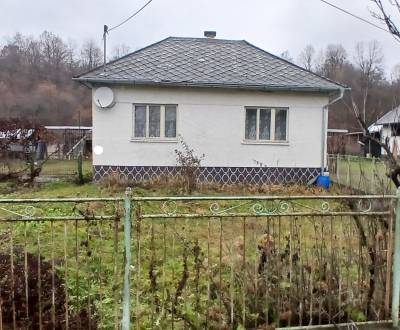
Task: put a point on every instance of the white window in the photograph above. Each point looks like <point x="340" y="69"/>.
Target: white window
<point x="266" y="124"/>
<point x="154" y="121"/>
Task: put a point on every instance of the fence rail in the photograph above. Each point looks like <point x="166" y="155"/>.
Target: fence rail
<point x="213" y="262"/>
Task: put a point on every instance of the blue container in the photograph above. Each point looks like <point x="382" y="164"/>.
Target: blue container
<point x="324" y="181"/>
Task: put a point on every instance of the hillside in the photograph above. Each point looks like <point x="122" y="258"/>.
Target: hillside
<point x="36" y="79"/>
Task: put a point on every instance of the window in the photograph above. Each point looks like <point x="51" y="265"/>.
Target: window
<point x="266" y="124"/>
<point x="154" y="122"/>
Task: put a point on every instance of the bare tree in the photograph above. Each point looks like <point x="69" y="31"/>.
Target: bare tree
<point x="20" y="134"/>
<point x="334" y="59"/>
<point x="395" y="74"/>
<point x="54" y="50"/>
<point x="91" y="55"/>
<point x="369" y="61"/>
<point x="306" y="57"/>
<point x="120" y="50"/>
<point x="286" y="56"/>
<point x="383" y="15"/>
<point x="319" y="62"/>
<point x="33" y="53"/>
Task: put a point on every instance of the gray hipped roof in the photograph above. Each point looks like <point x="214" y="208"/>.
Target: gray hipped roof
<point x="391" y="117"/>
<point x="204" y="62"/>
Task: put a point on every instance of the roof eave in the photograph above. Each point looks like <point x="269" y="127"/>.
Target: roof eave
<point x="208" y="85"/>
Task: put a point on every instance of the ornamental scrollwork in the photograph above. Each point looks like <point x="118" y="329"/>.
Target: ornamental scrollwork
<point x="27" y="212"/>
<point x="364" y="205"/>
<point x="281" y="207"/>
<point x="169" y="208"/>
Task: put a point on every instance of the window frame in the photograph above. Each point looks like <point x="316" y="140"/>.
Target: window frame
<point x="162" y="137"/>
<point x="272" y="126"/>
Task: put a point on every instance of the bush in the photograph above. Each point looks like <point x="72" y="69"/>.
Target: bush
<point x="189" y="164"/>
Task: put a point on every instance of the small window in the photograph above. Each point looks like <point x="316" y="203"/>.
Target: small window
<point x="266" y="124"/>
<point x="154" y="121"/>
<point x="140" y="121"/>
<point x="280" y="124"/>
<point x="170" y="121"/>
<point x="251" y="124"/>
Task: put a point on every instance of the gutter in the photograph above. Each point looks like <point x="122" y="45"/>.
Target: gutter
<point x="92" y="81"/>
<point x="324" y="126"/>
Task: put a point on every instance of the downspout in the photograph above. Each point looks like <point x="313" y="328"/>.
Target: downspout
<point x="324" y="127"/>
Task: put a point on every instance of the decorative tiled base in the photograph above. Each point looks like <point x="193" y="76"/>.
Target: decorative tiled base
<point x="228" y="175"/>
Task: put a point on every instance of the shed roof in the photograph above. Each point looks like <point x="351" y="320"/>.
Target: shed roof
<point x="205" y="62"/>
<point x="391" y="117"/>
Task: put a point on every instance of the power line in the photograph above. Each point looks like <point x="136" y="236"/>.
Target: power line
<point x="130" y="17"/>
<point x="355" y="16"/>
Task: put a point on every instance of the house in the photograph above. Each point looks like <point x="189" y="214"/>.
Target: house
<point x="388" y="129"/>
<point x="256" y="117"/>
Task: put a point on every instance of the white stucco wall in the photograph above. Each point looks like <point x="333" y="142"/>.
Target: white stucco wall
<point x="211" y="121"/>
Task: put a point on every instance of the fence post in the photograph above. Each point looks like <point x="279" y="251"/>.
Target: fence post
<point x="396" y="265"/>
<point x="127" y="245"/>
<point x="337" y="168"/>
<point x="80" y="170"/>
<point x="373" y="167"/>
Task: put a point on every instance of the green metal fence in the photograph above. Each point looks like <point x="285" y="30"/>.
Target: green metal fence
<point x="218" y="262"/>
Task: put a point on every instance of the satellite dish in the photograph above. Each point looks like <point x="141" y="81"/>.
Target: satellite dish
<point x="104" y="97"/>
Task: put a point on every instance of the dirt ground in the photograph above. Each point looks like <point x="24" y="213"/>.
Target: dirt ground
<point x="33" y="303"/>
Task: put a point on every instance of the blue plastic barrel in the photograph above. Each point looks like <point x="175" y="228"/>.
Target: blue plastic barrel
<point x="324" y="181"/>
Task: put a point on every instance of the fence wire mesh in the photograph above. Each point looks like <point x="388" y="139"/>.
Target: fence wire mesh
<point x="368" y="175"/>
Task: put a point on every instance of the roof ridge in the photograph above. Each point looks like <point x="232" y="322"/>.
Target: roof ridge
<point x="206" y="39"/>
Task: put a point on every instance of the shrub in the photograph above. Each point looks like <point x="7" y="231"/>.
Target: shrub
<point x="189" y="164"/>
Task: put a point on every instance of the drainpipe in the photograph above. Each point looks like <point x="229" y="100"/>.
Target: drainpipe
<point x="324" y="127"/>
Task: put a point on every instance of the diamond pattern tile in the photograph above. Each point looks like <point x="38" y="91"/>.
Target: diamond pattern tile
<point x="227" y="175"/>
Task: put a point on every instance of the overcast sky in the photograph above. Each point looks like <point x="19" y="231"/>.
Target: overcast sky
<point x="275" y="25"/>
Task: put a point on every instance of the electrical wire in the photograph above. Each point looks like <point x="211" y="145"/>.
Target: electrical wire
<point x="355" y="16"/>
<point x="130" y="17"/>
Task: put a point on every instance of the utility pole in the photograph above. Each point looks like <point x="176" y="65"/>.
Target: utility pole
<point x="105" y="46"/>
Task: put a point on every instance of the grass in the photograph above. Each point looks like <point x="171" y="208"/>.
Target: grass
<point x="65" y="167"/>
<point x="51" y="167"/>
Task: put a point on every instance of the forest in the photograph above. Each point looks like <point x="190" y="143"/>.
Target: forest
<point x="36" y="79"/>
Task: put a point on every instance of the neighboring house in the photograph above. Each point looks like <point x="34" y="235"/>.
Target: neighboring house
<point x="388" y="129"/>
<point x="256" y="117"/>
